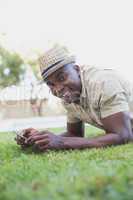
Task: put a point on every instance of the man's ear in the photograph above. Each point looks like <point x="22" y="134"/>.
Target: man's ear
<point x="76" y="67"/>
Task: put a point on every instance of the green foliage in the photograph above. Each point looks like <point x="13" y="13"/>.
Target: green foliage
<point x="10" y="68"/>
<point x="75" y="175"/>
<point x="35" y="67"/>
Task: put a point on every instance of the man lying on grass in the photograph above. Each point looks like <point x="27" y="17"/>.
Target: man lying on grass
<point x="99" y="97"/>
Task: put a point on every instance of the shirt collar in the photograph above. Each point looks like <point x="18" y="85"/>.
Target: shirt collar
<point x="83" y="93"/>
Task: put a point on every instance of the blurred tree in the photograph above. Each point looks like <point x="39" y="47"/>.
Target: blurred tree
<point x="33" y="62"/>
<point x="35" y="67"/>
<point x="11" y="68"/>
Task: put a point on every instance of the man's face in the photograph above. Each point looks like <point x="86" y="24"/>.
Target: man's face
<point x="65" y="83"/>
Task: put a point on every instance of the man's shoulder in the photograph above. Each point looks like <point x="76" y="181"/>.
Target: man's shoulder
<point x="99" y="81"/>
<point x="95" y="73"/>
<point x="94" y="77"/>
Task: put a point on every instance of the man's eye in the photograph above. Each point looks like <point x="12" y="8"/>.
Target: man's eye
<point x="50" y="84"/>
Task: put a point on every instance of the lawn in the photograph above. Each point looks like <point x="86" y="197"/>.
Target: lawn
<point x="65" y="175"/>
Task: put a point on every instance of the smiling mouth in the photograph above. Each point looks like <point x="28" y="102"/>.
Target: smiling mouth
<point x="70" y="98"/>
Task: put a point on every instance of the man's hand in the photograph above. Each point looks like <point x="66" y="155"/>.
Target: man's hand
<point x="22" y="140"/>
<point x="45" y="140"/>
<point x="29" y="132"/>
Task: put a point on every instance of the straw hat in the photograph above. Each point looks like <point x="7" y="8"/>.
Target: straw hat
<point x="54" y="59"/>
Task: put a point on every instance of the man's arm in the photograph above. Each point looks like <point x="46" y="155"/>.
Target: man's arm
<point x="74" y="130"/>
<point x="118" y="131"/>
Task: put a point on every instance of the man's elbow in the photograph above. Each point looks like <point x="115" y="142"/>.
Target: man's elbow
<point x="125" y="138"/>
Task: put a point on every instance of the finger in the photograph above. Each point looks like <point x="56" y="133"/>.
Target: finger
<point x="42" y="142"/>
<point x="28" y="135"/>
<point x="28" y="130"/>
<point x="44" y="147"/>
<point x="33" y="132"/>
<point x="36" y="137"/>
<point x="44" y="131"/>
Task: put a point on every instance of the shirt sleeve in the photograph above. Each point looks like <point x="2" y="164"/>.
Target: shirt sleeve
<point x="71" y="118"/>
<point x="113" y="99"/>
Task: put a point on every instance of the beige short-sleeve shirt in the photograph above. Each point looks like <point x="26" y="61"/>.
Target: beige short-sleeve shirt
<point x="104" y="92"/>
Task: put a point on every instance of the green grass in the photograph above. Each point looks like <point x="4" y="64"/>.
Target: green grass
<point x="65" y="175"/>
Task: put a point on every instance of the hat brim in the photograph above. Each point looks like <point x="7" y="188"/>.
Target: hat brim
<point x="68" y="60"/>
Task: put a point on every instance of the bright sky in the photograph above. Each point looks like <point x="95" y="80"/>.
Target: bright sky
<point x="99" y="32"/>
